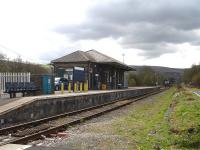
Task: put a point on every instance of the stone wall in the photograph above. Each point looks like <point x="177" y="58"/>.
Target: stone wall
<point x="42" y="108"/>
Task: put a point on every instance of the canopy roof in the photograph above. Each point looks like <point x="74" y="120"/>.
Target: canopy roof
<point x="91" y="56"/>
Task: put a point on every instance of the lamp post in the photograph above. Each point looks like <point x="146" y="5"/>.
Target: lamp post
<point x="123" y="57"/>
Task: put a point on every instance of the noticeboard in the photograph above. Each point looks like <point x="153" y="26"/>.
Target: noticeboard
<point x="79" y="74"/>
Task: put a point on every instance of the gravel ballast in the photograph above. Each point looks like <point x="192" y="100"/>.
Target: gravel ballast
<point x="95" y="134"/>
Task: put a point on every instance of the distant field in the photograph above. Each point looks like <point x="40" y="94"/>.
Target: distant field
<point x="172" y="121"/>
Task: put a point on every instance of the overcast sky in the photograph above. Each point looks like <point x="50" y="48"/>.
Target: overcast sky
<point x="148" y="32"/>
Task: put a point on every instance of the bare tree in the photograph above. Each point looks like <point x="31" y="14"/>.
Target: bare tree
<point x="18" y="65"/>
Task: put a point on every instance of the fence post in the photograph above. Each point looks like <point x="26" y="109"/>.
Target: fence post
<point x="4" y="80"/>
<point x="69" y="87"/>
<point x="62" y="88"/>
<point x="29" y="77"/>
<point x="13" y="77"/>
<point x="81" y="87"/>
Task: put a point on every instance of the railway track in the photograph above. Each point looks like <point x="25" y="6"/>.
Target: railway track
<point x="30" y="131"/>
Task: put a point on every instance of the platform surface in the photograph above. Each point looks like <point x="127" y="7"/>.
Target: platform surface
<point x="29" y="147"/>
<point x="48" y="148"/>
<point x="14" y="147"/>
<point x="19" y="102"/>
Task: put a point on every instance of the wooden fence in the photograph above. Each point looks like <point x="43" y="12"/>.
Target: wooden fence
<point x="13" y="77"/>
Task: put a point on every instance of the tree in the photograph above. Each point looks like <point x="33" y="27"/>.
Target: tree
<point x="3" y="65"/>
<point x="132" y="79"/>
<point x="196" y="79"/>
<point x="18" y="65"/>
<point x="192" y="75"/>
<point x="145" y="77"/>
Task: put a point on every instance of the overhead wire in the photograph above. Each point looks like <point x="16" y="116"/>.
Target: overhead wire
<point x="16" y="53"/>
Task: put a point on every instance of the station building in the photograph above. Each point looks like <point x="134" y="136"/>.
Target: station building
<point x="99" y="70"/>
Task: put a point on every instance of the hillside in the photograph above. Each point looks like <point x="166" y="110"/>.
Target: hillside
<point x="168" y="73"/>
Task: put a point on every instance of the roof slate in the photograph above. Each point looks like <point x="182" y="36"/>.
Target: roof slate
<point x="99" y="57"/>
<point x="88" y="56"/>
<point x="77" y="56"/>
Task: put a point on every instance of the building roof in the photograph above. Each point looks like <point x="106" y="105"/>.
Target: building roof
<point x="99" y="57"/>
<point x="77" y="56"/>
<point x="91" y="56"/>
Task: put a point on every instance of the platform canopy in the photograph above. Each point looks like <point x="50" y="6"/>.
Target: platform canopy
<point x="92" y="56"/>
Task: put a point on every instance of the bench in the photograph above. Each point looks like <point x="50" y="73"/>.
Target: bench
<point x="20" y="87"/>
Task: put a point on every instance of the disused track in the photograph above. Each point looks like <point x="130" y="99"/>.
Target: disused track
<point x="25" y="132"/>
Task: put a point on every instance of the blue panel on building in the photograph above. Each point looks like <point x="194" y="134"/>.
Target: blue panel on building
<point x="46" y="84"/>
<point x="79" y="74"/>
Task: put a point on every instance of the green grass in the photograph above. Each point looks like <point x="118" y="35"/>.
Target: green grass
<point x="186" y="120"/>
<point x="195" y="89"/>
<point x="169" y="122"/>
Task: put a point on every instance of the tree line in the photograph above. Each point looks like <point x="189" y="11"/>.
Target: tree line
<point x="18" y="65"/>
<point x="148" y="77"/>
<point x="145" y="77"/>
<point x="191" y="76"/>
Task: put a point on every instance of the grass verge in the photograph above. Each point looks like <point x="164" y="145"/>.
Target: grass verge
<point x="170" y="121"/>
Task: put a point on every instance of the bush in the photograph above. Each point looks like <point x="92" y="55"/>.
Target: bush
<point x="192" y="75"/>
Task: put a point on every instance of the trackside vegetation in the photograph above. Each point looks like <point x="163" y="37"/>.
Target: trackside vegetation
<point x="18" y="65"/>
<point x="145" y="77"/>
<point x="171" y="121"/>
<point x="191" y="76"/>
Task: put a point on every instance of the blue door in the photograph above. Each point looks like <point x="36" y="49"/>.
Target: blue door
<point x="46" y="81"/>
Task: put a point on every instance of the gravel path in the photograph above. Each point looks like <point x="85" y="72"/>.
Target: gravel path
<point x="96" y="134"/>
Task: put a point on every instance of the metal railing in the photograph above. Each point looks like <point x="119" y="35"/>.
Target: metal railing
<point x="13" y="77"/>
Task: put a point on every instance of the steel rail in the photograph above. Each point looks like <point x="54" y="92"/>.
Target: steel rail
<point x="25" y="139"/>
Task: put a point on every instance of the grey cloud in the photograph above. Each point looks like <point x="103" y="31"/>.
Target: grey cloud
<point x="158" y="50"/>
<point x="90" y="30"/>
<point x="177" y="13"/>
<point x="148" y="25"/>
<point x="53" y="54"/>
<point x="144" y="33"/>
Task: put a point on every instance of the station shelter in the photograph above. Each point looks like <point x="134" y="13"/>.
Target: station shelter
<point x="98" y="70"/>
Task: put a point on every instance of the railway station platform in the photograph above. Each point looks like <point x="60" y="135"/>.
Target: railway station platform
<point x="14" y="147"/>
<point x="31" y="108"/>
<point x="28" y="147"/>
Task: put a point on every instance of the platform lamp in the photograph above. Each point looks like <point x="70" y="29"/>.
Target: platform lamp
<point x="123" y="57"/>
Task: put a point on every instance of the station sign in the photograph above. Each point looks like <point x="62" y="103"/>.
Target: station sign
<point x="79" y="68"/>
